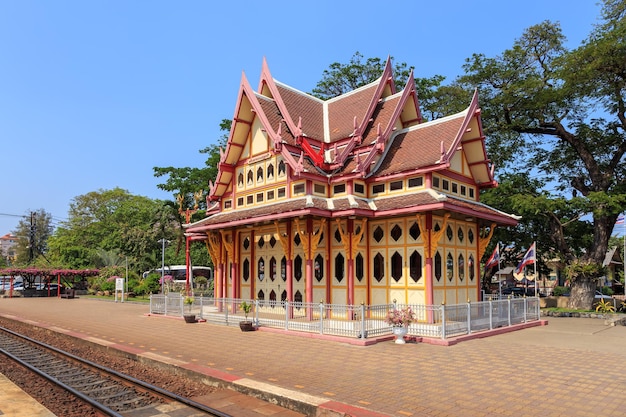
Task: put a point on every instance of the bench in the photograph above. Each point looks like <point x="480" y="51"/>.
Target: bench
<point x="68" y="293"/>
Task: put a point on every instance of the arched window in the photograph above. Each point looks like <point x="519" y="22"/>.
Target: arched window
<point x="461" y="265"/>
<point x="297" y="268"/>
<point x="339" y="267"/>
<point x="449" y="267"/>
<point x="246" y="269"/>
<point x="415" y="261"/>
<point x="319" y="267"/>
<point x="283" y="268"/>
<point x="470" y="267"/>
<point x="359" y="267"/>
<point x="396" y="266"/>
<point x="438" y="266"/>
<point x="379" y="267"/>
<point x="272" y="268"/>
<point x="261" y="269"/>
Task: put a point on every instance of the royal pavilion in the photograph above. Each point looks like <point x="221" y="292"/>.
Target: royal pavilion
<point x="352" y="200"/>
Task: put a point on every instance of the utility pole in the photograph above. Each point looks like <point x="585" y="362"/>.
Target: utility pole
<point x="31" y="240"/>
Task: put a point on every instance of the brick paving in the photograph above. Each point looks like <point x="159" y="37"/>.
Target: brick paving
<point x="571" y="367"/>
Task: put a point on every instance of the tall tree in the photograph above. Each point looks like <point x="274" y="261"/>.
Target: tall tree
<point x="564" y="112"/>
<point x="110" y="225"/>
<point x="340" y="78"/>
<point x="187" y="181"/>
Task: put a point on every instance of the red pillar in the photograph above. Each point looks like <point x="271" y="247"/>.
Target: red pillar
<point x="187" y="265"/>
<point x="350" y="264"/>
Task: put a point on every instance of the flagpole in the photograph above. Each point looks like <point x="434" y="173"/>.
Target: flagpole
<point x="499" y="278"/>
<point x="535" y="265"/>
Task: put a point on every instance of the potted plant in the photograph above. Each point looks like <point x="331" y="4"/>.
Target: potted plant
<point x="399" y="320"/>
<point x="246" y="325"/>
<point x="189" y="318"/>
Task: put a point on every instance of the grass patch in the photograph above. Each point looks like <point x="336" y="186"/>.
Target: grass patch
<point x="140" y="299"/>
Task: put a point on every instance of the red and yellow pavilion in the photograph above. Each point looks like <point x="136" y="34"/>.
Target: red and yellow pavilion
<point x="350" y="200"/>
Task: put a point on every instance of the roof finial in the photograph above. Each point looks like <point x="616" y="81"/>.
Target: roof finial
<point x="299" y="132"/>
<point x="443" y="149"/>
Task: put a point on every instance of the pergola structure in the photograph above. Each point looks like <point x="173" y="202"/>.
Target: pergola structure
<point x="61" y="276"/>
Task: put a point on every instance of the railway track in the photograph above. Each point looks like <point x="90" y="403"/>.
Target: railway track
<point x="109" y="392"/>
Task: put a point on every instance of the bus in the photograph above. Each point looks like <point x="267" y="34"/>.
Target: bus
<point x="179" y="273"/>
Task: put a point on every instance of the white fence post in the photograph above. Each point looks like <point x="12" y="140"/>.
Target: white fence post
<point x="509" y="309"/>
<point x="321" y="316"/>
<point x="443" y="320"/>
<point x="256" y="312"/>
<point x="469" y="317"/>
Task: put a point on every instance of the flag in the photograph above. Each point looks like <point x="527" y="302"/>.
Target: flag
<point x="494" y="259"/>
<point x="620" y="219"/>
<point x="528" y="259"/>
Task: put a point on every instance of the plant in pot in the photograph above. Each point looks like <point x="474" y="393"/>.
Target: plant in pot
<point x="189" y="318"/>
<point x="246" y="325"/>
<point x="399" y="320"/>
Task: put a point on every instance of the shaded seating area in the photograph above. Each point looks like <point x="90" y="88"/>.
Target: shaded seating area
<point x="49" y="282"/>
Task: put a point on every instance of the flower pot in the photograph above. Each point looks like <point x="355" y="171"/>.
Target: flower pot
<point x="400" y="332"/>
<point x="190" y="318"/>
<point x="246" y="326"/>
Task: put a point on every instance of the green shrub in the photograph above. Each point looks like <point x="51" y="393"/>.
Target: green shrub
<point x="607" y="291"/>
<point x="559" y="291"/>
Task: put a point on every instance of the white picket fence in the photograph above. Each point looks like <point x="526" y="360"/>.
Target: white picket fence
<point x="361" y="321"/>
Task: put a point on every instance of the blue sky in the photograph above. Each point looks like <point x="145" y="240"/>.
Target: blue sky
<point x="94" y="94"/>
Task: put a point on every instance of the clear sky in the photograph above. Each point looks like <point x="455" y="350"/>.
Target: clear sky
<point x="94" y="94"/>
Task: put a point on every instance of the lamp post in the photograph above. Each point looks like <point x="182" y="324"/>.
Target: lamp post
<point x="163" y="242"/>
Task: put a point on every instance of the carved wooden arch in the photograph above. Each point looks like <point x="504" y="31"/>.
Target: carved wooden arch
<point x="431" y="242"/>
<point x="484" y="242"/>
<point x="351" y="239"/>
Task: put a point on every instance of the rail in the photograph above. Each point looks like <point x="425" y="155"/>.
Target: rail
<point x="108" y="391"/>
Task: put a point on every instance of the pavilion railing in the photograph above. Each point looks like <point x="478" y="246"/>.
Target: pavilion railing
<point x="357" y="321"/>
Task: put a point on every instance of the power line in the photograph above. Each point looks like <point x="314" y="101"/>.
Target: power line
<point x="12" y="215"/>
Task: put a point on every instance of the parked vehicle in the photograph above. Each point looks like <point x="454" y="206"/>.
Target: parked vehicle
<point x="518" y="291"/>
<point x="18" y="286"/>
<point x="53" y="287"/>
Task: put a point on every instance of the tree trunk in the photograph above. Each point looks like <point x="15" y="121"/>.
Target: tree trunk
<point x="583" y="280"/>
<point x="582" y="294"/>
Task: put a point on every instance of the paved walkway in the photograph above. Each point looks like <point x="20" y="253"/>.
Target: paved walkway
<point x="571" y="367"/>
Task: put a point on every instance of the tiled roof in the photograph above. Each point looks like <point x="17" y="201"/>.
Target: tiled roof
<point x="382" y="115"/>
<point x="273" y="116"/>
<point x="416" y="202"/>
<point x="343" y="109"/>
<point x="419" y="146"/>
<point x="309" y="108"/>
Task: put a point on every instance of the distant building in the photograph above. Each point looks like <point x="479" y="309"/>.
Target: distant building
<point x="350" y="200"/>
<point x="8" y="244"/>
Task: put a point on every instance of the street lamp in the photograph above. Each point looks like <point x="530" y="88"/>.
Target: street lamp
<point x="163" y="242"/>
